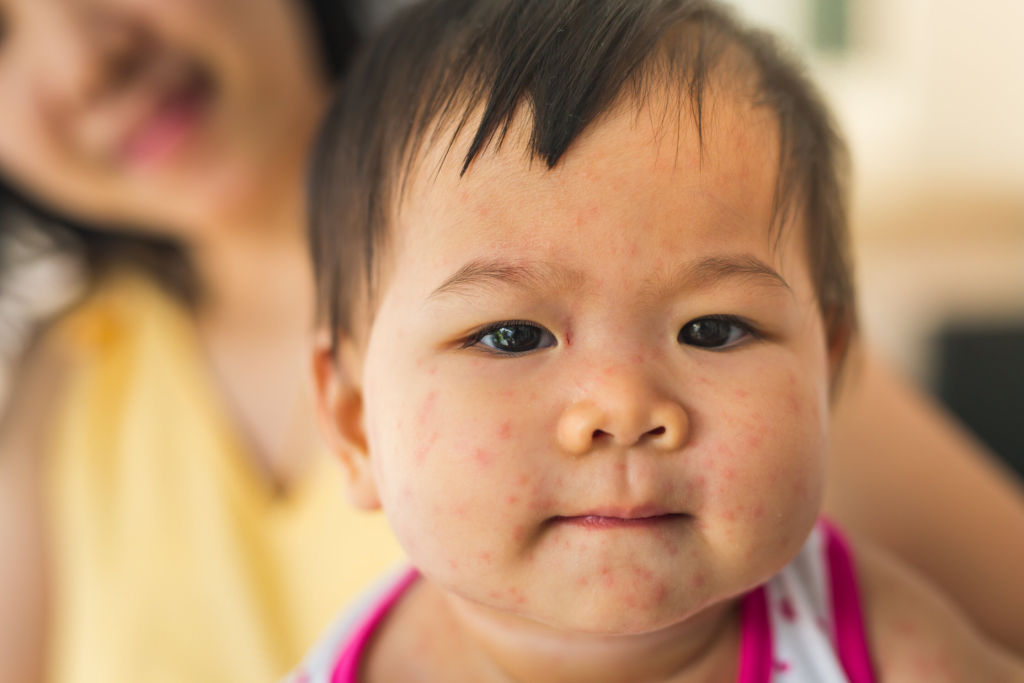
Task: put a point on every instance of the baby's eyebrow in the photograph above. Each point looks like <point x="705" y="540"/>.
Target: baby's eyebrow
<point x="712" y="270"/>
<point x="481" y="275"/>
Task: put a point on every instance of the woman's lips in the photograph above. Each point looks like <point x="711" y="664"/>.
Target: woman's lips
<point x="168" y="126"/>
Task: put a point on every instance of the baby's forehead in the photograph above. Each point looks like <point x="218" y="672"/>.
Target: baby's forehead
<point x="640" y="180"/>
<point x="640" y="162"/>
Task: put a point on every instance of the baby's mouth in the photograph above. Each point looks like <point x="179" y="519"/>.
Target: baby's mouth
<point x="624" y="519"/>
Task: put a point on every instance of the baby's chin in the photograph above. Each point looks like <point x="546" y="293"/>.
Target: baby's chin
<point x="620" y="602"/>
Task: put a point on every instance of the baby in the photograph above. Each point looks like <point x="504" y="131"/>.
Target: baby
<point x="583" y="275"/>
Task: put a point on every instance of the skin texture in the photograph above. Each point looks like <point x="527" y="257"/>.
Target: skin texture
<point x="515" y="481"/>
<point x="479" y="458"/>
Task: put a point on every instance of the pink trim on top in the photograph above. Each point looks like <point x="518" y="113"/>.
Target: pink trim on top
<point x="847" y="617"/>
<point x="755" y="638"/>
<point x="346" y="670"/>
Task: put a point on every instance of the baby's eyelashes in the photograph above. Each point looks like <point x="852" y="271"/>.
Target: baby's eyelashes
<point x="717" y="332"/>
<point x="520" y="337"/>
<point x="512" y="338"/>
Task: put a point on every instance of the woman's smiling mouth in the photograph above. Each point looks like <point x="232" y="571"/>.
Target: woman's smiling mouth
<point x="169" y="124"/>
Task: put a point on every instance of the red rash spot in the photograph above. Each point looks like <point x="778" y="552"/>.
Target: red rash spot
<point x="505" y="431"/>
<point x="568" y="338"/>
<point x="511" y="499"/>
<point x="741" y="393"/>
<point x="420" y="455"/>
<point x="481" y="458"/>
<point x="518" y="533"/>
<point x="642" y="573"/>
<point x="517" y="596"/>
<point x="698" y="581"/>
<point x="426" y="409"/>
<point x="523" y="479"/>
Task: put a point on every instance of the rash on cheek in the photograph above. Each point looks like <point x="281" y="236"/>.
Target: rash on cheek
<point x="426" y="410"/>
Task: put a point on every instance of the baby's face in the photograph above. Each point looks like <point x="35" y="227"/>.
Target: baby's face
<point x="597" y="395"/>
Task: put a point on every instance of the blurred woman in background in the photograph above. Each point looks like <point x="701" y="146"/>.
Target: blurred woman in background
<point x="165" y="509"/>
<point x="167" y="512"/>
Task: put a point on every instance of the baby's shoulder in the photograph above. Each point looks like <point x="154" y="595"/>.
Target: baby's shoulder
<point x="917" y="634"/>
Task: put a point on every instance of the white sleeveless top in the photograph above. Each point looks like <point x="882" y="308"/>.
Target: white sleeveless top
<point x="804" y="625"/>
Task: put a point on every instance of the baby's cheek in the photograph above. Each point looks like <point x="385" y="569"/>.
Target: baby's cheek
<point x="456" y="492"/>
<point x="764" y="464"/>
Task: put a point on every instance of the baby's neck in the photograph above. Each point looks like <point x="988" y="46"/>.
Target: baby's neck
<point x="434" y="636"/>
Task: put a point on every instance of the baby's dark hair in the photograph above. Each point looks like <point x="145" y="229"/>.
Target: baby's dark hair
<point x="443" y="64"/>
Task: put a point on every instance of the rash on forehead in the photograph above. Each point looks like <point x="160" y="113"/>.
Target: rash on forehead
<point x="637" y="161"/>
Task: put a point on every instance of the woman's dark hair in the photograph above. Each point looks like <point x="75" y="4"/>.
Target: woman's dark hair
<point x="564" y="63"/>
<point x="336" y="28"/>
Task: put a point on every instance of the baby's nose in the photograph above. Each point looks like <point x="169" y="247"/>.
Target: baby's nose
<point x="627" y="412"/>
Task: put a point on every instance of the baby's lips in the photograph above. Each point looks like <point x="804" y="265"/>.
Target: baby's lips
<point x="625" y="512"/>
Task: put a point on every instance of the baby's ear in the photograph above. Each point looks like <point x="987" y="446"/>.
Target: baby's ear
<point x="337" y="381"/>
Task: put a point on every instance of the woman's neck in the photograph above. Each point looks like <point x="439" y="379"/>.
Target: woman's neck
<point x="454" y="638"/>
<point x="255" y="316"/>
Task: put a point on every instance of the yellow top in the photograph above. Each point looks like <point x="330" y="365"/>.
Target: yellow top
<point x="172" y="559"/>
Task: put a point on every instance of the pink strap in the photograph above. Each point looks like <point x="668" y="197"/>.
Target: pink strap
<point x="346" y="669"/>
<point x="847" y="617"/>
<point x="755" y="638"/>
<point x="755" y="628"/>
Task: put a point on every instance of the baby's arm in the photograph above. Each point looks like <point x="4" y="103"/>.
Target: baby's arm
<point x="917" y="635"/>
<point x="905" y="476"/>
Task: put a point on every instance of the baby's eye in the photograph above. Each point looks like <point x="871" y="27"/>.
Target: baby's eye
<point x="715" y="332"/>
<point x="515" y="337"/>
